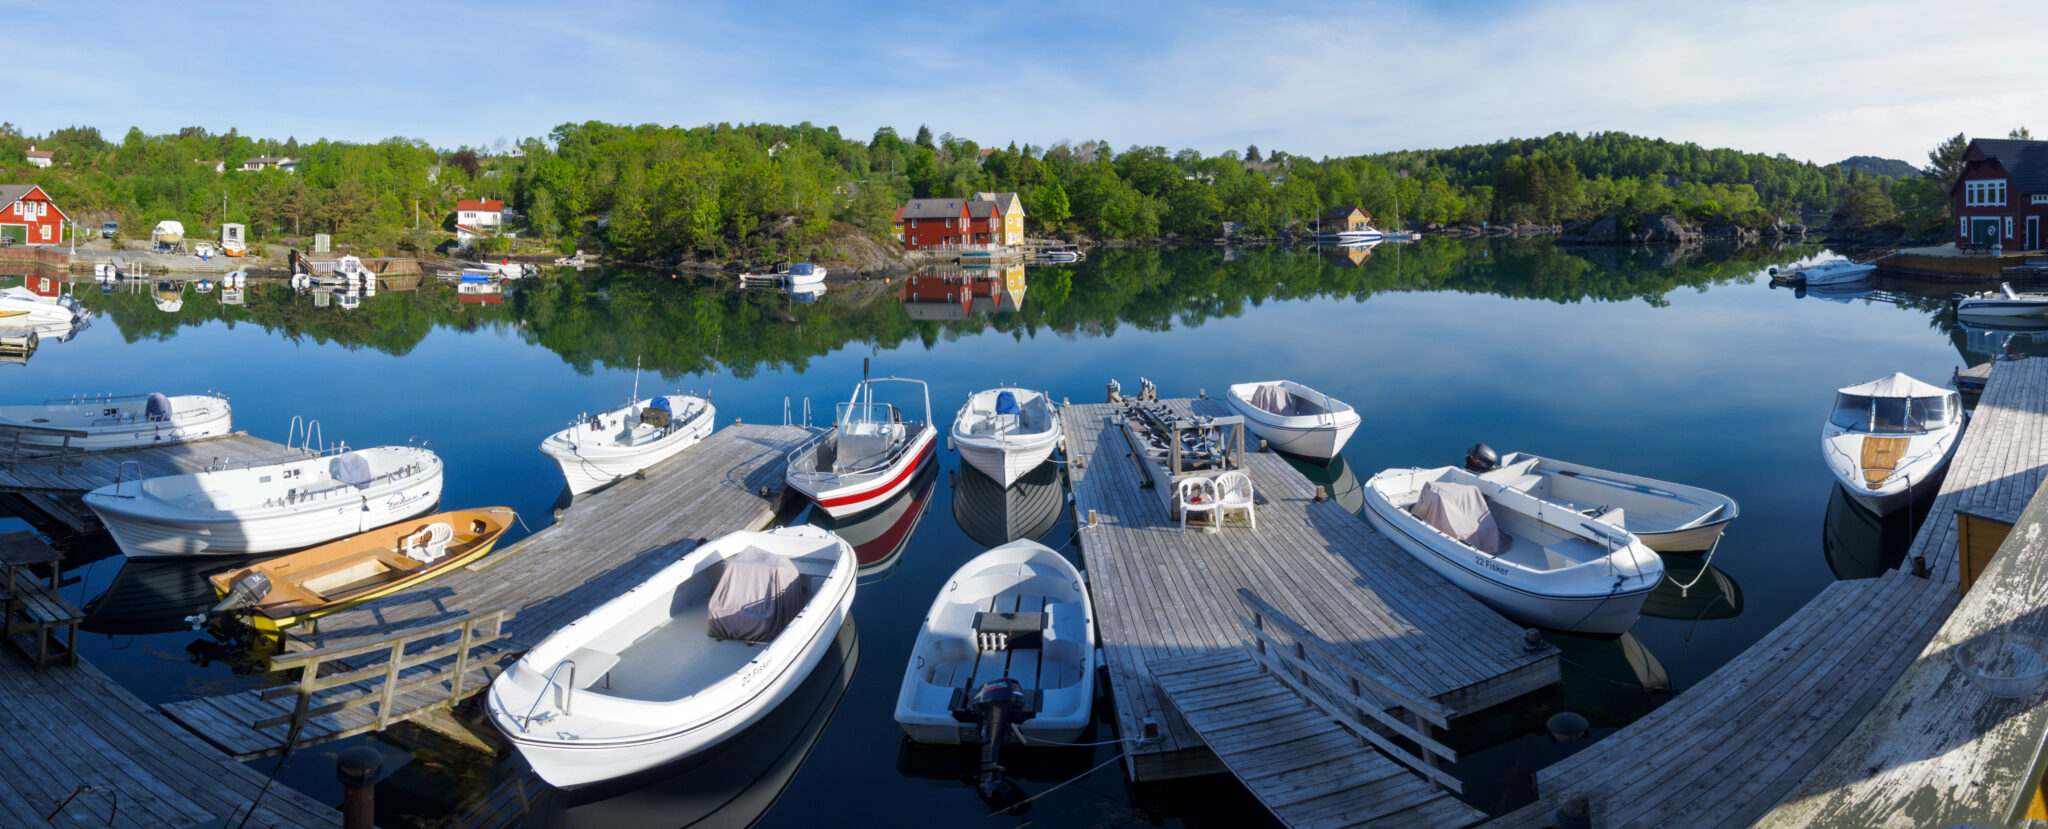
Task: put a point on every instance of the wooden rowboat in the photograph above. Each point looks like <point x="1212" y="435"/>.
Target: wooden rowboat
<point x="288" y="590"/>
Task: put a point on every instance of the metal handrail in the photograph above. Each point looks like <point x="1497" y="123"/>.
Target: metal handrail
<point x="121" y="477"/>
<point x="526" y="721"/>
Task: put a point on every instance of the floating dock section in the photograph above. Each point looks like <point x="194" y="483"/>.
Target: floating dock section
<point x="50" y="482"/>
<point x="1161" y="594"/>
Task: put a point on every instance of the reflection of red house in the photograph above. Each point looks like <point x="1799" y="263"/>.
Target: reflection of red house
<point x="480" y="299"/>
<point x="956" y="295"/>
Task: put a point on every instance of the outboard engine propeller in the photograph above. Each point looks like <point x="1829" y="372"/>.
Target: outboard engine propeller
<point x="1481" y="458"/>
<point x="999" y="703"/>
<point x="242" y="592"/>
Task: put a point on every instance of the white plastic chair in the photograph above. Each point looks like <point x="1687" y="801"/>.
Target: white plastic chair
<point x="431" y="542"/>
<point x="1196" y="495"/>
<point x="1234" y="492"/>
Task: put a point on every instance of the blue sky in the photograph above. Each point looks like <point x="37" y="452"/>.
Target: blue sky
<point x="1815" y="80"/>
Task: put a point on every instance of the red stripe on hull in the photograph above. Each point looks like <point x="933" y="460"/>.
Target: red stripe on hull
<point x="877" y="495"/>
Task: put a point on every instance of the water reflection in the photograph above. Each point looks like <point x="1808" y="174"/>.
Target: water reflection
<point x="1981" y="340"/>
<point x="729" y="785"/>
<point x="155" y="595"/>
<point x="1336" y="478"/>
<point x="879" y="535"/>
<point x="993" y="516"/>
<point x="1694" y="590"/>
<point x="950" y="295"/>
<point x="1860" y="544"/>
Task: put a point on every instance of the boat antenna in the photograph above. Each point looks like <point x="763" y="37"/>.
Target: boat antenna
<point x="715" y="342"/>
<point x="636" y="379"/>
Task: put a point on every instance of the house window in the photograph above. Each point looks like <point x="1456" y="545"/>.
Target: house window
<point x="1963" y="226"/>
<point x="2008" y="227"/>
<point x="913" y="224"/>
<point x="17" y="208"/>
<point x="1984" y="193"/>
<point x="2040" y="198"/>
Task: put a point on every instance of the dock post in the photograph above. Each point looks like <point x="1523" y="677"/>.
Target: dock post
<point x="357" y="770"/>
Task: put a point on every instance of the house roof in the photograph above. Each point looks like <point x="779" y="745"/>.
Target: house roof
<point x="898" y="218"/>
<point x="1006" y="201"/>
<point x="39" y="154"/>
<point x="2025" y="162"/>
<point x="11" y="193"/>
<point x="267" y="159"/>
<point x="1342" y="211"/>
<point x="933" y="208"/>
<point x="485" y="205"/>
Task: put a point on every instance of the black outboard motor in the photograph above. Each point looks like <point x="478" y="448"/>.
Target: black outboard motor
<point x="242" y="592"/>
<point x="998" y="702"/>
<point x="1481" y="458"/>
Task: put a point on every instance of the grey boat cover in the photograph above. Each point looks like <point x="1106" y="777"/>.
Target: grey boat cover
<point x="1274" y="398"/>
<point x="757" y="595"/>
<point x="1461" y="513"/>
<point x="159" y="407"/>
<point x="352" y="469"/>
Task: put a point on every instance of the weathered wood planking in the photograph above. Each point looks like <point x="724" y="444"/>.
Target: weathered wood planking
<point x="1728" y="749"/>
<point x="1160" y="593"/>
<point x="66" y="728"/>
<point x="91" y="470"/>
<point x="1283" y="750"/>
<point x="1937" y="750"/>
<point x="603" y="545"/>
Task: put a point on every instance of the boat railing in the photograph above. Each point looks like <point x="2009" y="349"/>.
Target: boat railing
<point x="121" y="477"/>
<point x="302" y="432"/>
<point x="568" y="693"/>
<point x="786" y="421"/>
<point x="94" y="399"/>
<point x="1350" y="693"/>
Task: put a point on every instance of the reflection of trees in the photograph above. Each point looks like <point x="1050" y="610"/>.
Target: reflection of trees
<point x="686" y="326"/>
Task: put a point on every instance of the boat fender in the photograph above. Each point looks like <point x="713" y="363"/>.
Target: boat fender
<point x="1481" y="458"/>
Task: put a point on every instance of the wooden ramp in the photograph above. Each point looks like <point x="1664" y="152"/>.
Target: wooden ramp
<point x="603" y="545"/>
<point x="1293" y="757"/>
<point x="1726" y="750"/>
<point x="1160" y="593"/>
<point x="69" y="728"/>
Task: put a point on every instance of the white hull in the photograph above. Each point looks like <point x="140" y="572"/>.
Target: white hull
<point x="122" y="423"/>
<point x="1020" y="576"/>
<point x="594" y="457"/>
<point x="1836" y="272"/>
<point x="22" y="308"/>
<point x="591" y="731"/>
<point x="839" y="500"/>
<point x="1667" y="517"/>
<point x="1582" y="599"/>
<point x="1006" y="449"/>
<point x="231" y="512"/>
<point x="1903" y="456"/>
<point x="1999" y="308"/>
<point x="1320" y="435"/>
<point x="870" y="454"/>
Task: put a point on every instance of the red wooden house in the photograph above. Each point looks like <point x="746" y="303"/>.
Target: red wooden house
<point x="987" y="219"/>
<point x="2001" y="197"/>
<point x="28" y="217"/>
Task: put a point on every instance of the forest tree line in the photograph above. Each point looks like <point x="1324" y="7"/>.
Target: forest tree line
<point x="721" y="191"/>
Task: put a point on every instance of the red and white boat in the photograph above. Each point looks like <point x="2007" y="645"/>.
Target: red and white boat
<point x="871" y="453"/>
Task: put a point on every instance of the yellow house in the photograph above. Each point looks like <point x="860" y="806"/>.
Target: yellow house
<point x="1011" y="208"/>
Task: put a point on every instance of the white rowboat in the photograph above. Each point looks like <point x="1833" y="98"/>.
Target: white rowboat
<point x="1006" y="432"/>
<point x="644" y="679"/>
<point x="1666" y="517"/>
<point x="1294" y="418"/>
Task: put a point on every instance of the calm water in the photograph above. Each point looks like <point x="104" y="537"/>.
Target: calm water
<point x="1686" y="367"/>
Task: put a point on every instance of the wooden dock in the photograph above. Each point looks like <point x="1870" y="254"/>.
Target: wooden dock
<point x="51" y="483"/>
<point x="603" y="545"/>
<point x="1749" y="736"/>
<point x="1161" y="594"/>
<point x="74" y="736"/>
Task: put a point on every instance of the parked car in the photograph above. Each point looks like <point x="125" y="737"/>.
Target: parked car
<point x="108" y="229"/>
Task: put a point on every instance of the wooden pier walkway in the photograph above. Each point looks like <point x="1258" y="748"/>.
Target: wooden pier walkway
<point x="601" y="546"/>
<point x="52" y="484"/>
<point x="66" y="729"/>
<point x="1161" y="594"/>
<point x="1725" y="751"/>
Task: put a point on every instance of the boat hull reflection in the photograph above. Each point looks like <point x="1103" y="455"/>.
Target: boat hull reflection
<point x="1860" y="544"/>
<point x="155" y="595"/>
<point x="994" y="516"/>
<point x="1694" y="590"/>
<point x="880" y="535"/>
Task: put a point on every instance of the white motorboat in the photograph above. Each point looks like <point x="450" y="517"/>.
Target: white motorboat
<point x="23" y="308"/>
<point x="1535" y="562"/>
<point x="804" y="273"/>
<point x="1831" y="272"/>
<point x="1365" y="235"/>
<point x="697" y="652"/>
<point x="1006" y="432"/>
<point x="268" y="506"/>
<point x="121" y="421"/>
<point x="605" y="447"/>
<point x="1294" y="418"/>
<point x="1016" y="616"/>
<point x="869" y="454"/>
<point x="1059" y="255"/>
<point x="169" y="296"/>
<point x="508" y="269"/>
<point x="1666" y="517"/>
<point x="2004" y="302"/>
<point x="1889" y="436"/>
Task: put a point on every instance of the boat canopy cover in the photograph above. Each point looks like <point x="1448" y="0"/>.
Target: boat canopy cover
<point x="1460" y="511"/>
<point x="800" y="269"/>
<point x="1897" y="385"/>
<point x="757" y="596"/>
<point x="1006" y="403"/>
<point x="352" y="469"/>
<point x="159" y="407"/>
<point x="1274" y="398"/>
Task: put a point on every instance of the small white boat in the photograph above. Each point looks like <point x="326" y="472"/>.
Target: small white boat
<point x="1018" y="612"/>
<point x="1666" y="517"/>
<point x="507" y="269"/>
<point x="169" y="296"/>
<point x="1889" y="436"/>
<point x="1355" y="237"/>
<point x="804" y="273"/>
<point x="23" y="308"/>
<point x="1831" y="272"/>
<point x="123" y="421"/>
<point x="1294" y="418"/>
<point x="869" y="454"/>
<point x="1535" y="562"/>
<point x="696" y="653"/>
<point x="2004" y="302"/>
<point x="605" y="447"/>
<point x="1006" y="432"/>
<point x="1059" y="255"/>
<point x="266" y="507"/>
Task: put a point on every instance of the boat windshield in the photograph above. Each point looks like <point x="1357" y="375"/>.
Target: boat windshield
<point x="851" y="414"/>
<point x="1863" y="413"/>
